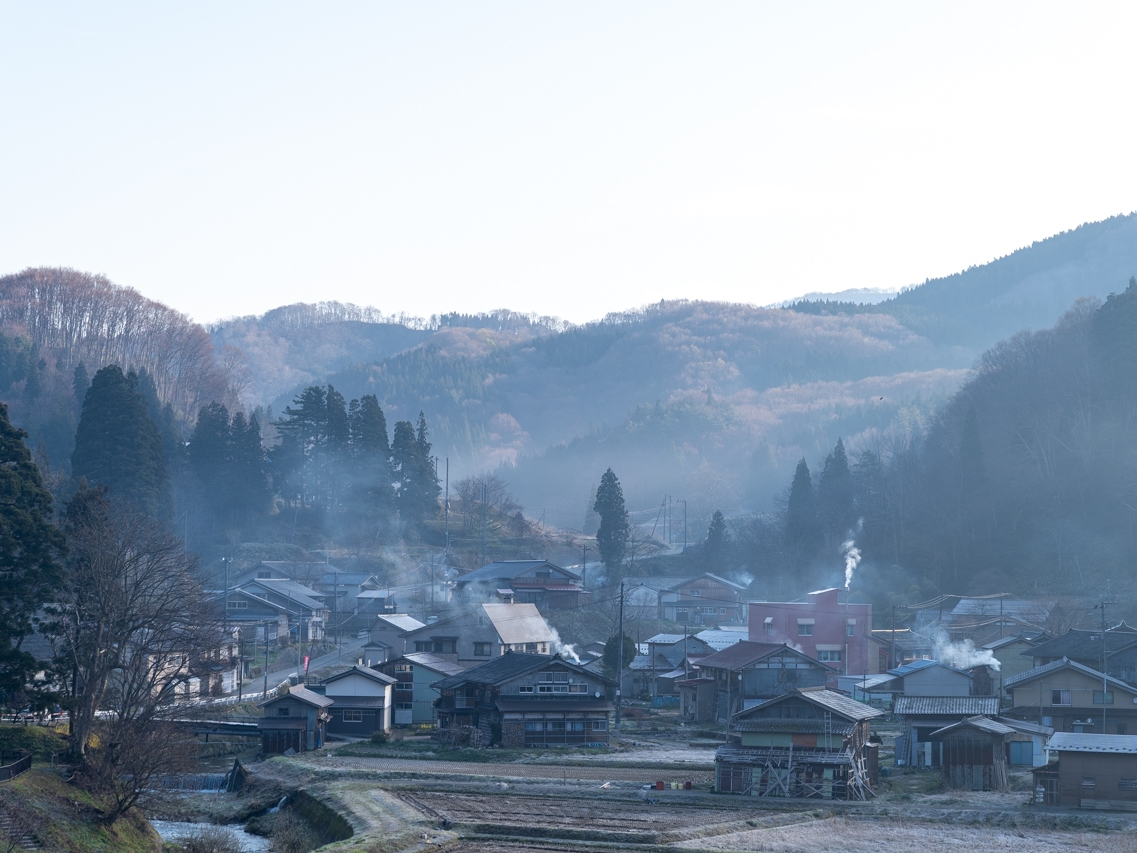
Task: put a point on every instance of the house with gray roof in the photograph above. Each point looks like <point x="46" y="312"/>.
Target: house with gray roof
<point x="1093" y="771"/>
<point x="1086" y="647"/>
<point x="484" y="632"/>
<point x="923" y="716"/>
<point x="704" y="600"/>
<point x="415" y="675"/>
<point x="536" y="582"/>
<point x="747" y="674"/>
<point x="1072" y="697"/>
<point x="523" y="699"/>
<point x="805" y="743"/>
<point x="296" y="721"/>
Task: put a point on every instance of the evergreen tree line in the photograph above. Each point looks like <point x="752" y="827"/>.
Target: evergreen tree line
<point x="1023" y="482"/>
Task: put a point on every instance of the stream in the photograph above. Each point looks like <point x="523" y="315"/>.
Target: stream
<point x="174" y="830"/>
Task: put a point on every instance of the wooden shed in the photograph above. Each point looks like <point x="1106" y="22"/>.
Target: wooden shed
<point x="975" y="754"/>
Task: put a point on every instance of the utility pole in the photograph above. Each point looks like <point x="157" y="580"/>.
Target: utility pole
<point x="485" y="513"/>
<point x="684" y="525"/>
<point x="1104" y="677"/>
<point x="584" y="566"/>
<point x="446" y="510"/>
<point x="619" y="657"/>
<point x="264" y="691"/>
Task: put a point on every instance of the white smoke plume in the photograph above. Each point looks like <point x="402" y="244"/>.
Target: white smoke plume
<point x="566" y="651"/>
<point x="852" y="558"/>
<point x="962" y="654"/>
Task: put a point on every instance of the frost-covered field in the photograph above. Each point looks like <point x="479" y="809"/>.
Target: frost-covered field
<point x="838" y="835"/>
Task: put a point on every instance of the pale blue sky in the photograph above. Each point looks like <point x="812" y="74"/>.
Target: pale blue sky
<point x="561" y="158"/>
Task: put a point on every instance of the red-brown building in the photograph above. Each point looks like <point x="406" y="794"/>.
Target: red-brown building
<point x="823" y="626"/>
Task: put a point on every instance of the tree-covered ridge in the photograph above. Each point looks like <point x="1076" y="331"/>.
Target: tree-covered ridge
<point x="1029" y="288"/>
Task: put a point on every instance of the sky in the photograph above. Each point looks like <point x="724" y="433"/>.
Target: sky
<point x="565" y="159"/>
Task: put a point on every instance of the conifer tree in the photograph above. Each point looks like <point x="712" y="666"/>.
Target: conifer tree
<point x="803" y="533"/>
<point x="717" y="543"/>
<point x="612" y="536"/>
<point x="117" y="445"/>
<point x="80" y="382"/>
<point x="835" y="505"/>
<point x="30" y="545"/>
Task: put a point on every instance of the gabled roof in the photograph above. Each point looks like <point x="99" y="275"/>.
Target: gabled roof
<point x="1085" y="742"/>
<point x="668" y="639"/>
<point x="947" y="706"/>
<point x="828" y="700"/>
<point x="433" y="662"/>
<point x="302" y="694"/>
<point x="719" y="638"/>
<point x="380" y="677"/>
<point x="1027" y="727"/>
<point x="400" y="621"/>
<point x="510" y="569"/>
<point x="501" y="669"/>
<point x="918" y="665"/>
<point x="747" y="653"/>
<point x="905" y="639"/>
<point x="374" y="593"/>
<point x="1078" y="644"/>
<point x="340" y="578"/>
<point x="298" y="593"/>
<point x="983" y="724"/>
<point x="1020" y="637"/>
<point x="1059" y="665"/>
<point x="715" y="578"/>
<point x="519" y="623"/>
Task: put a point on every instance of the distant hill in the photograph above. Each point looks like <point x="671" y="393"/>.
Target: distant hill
<point x="1029" y="288"/>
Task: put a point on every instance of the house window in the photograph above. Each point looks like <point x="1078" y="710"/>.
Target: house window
<point x="353" y="716"/>
<point x="423" y="646"/>
<point x="1103" y="697"/>
<point x="827" y="656"/>
<point x="560" y="677"/>
<point x="483" y="650"/>
<point x="1048" y="721"/>
<point x="769" y="629"/>
<point x="542" y="575"/>
<point x="533" y="726"/>
<point x="600" y="725"/>
<point x="696" y="593"/>
<point x="1089" y="783"/>
<point x="404" y="667"/>
<point x="849" y="630"/>
<point x="1061" y="697"/>
<point x="583" y="688"/>
<point x="546" y="676"/>
<point x="805" y="629"/>
<point x="525" y="688"/>
<point x="531" y="648"/>
<point x="264" y="574"/>
<point x="404" y="706"/>
<point x="1127" y="784"/>
<point x="237" y="605"/>
<point x="283" y="711"/>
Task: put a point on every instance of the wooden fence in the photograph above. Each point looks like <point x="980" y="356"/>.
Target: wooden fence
<point x="15" y="764"/>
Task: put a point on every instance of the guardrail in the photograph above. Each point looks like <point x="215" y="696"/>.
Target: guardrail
<point x="14" y="768"/>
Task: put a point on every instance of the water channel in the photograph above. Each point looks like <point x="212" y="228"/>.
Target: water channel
<point x="174" y="830"/>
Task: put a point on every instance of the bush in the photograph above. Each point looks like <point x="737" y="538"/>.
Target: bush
<point x="290" y="834"/>
<point x="380" y="737"/>
<point x="212" y="839"/>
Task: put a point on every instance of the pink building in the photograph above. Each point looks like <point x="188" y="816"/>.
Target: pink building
<point x="822" y="626"/>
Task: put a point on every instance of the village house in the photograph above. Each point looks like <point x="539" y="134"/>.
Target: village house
<point x="823" y="626"/>
<point x="923" y="716"/>
<point x="415" y="673"/>
<point x="352" y="598"/>
<point x="979" y="619"/>
<point x="1072" y="697"/>
<point x="280" y="607"/>
<point x="386" y="638"/>
<point x="898" y="646"/>
<point x="747" y="674"/>
<point x="703" y="600"/>
<point x="977" y="751"/>
<point x="484" y="632"/>
<point x="672" y="658"/>
<point x="1093" y="771"/>
<point x="806" y="743"/>
<point x="927" y="678"/>
<point x="537" y="582"/>
<point x="363" y="702"/>
<point x="1013" y="655"/>
<point x="1085" y="647"/>
<point x="526" y="700"/>
<point x="294" y="721"/>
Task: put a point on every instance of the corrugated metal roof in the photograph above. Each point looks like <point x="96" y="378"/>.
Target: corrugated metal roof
<point x="793" y="725"/>
<point x="984" y="724"/>
<point x="401" y="621"/>
<point x="434" y="662"/>
<point x="1059" y="665"/>
<point x="509" y="569"/>
<point x="715" y="578"/>
<point x="366" y="672"/>
<point x="1075" y="742"/>
<point x="719" y="639"/>
<point x="304" y="695"/>
<point x="948" y="706"/>
<point x="829" y="700"/>
<point x="918" y="665"/>
<point x="779" y="755"/>
<point x="519" y="623"/>
<point x="746" y="653"/>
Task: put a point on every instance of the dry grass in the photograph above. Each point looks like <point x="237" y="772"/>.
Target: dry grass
<point x="839" y="835"/>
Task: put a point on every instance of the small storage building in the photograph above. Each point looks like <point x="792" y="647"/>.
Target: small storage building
<point x="1093" y="771"/>
<point x="294" y="721"/>
<point x="975" y="754"/>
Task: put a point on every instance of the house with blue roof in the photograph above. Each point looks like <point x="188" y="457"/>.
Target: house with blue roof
<point x="927" y="678"/>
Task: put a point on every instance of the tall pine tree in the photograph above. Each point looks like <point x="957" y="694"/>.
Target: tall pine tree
<point x="117" y="445"/>
<point x="29" y="548"/>
<point x="835" y="506"/>
<point x="717" y="544"/>
<point x="803" y="533"/>
<point x="612" y="536"/>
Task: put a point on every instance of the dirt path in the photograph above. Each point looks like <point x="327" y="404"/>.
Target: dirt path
<point x="554" y="772"/>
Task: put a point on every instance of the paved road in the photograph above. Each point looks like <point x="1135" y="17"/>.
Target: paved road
<point x="518" y="771"/>
<point x="345" y="657"/>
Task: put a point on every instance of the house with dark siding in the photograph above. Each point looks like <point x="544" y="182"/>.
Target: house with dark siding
<point x="704" y="600"/>
<point x="1072" y="697"/>
<point x="295" y="720"/>
<point x="1093" y="771"/>
<point x="415" y="673"/>
<point x="747" y="674"/>
<point x="519" y="700"/>
<point x="362" y="700"/>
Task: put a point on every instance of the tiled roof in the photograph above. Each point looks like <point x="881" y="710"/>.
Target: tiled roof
<point x="918" y="665"/>
<point x="829" y="700"/>
<point x="719" y="639"/>
<point x="745" y="653"/>
<point x="510" y="569"/>
<point x="1058" y="665"/>
<point x="715" y="578"/>
<point x="1082" y="742"/>
<point x="948" y="706"/>
<point x="434" y="662"/>
<point x="1078" y="644"/>
<point x="495" y="671"/>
